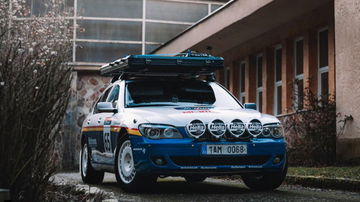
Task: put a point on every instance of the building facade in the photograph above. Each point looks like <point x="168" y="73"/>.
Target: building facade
<point x="274" y="49"/>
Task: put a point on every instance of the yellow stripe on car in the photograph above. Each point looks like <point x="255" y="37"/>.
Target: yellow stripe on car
<point x="133" y="131"/>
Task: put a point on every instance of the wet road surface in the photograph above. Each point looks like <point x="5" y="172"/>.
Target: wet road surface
<point x="176" y="189"/>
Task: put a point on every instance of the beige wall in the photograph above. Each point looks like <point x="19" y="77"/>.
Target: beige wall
<point x="347" y="50"/>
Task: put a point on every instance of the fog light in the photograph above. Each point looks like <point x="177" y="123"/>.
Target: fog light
<point x="276" y="160"/>
<point x="160" y="161"/>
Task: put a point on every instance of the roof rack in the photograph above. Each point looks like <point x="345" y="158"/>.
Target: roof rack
<point x="184" y="65"/>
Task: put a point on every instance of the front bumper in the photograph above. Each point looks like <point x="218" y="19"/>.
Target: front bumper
<point x="186" y="156"/>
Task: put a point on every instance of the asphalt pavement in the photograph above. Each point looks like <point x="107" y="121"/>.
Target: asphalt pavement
<point x="176" y="189"/>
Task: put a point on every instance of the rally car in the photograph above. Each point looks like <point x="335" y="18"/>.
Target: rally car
<point x="166" y="116"/>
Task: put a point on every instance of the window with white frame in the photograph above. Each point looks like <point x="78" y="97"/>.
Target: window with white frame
<point x="278" y="80"/>
<point x="299" y="73"/>
<point x="323" y="74"/>
<point x="259" y="87"/>
<point x="242" y="82"/>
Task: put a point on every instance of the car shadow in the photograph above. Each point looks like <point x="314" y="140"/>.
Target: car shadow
<point x="164" y="186"/>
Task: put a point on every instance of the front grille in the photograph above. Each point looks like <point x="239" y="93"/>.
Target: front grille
<point x="219" y="161"/>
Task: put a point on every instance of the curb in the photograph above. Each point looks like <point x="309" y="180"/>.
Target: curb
<point x="324" y="182"/>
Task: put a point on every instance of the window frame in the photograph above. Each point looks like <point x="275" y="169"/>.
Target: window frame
<point x="259" y="89"/>
<point x="277" y="83"/>
<point x="325" y="69"/>
<point x="299" y="77"/>
<point x="242" y="94"/>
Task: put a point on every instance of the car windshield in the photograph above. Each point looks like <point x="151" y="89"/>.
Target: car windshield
<point x="176" y="92"/>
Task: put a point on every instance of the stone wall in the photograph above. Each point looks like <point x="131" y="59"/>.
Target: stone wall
<point x="86" y="87"/>
<point x="347" y="51"/>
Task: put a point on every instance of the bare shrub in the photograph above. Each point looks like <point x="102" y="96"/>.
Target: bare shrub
<point x="34" y="91"/>
<point x="311" y="130"/>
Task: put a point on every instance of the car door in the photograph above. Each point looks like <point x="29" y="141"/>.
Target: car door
<point x="95" y="137"/>
<point x="110" y="131"/>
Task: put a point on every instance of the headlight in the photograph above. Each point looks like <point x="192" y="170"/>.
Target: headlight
<point x="156" y="131"/>
<point x="217" y="128"/>
<point x="274" y="130"/>
<point x="196" y="128"/>
<point x="254" y="127"/>
<point x="236" y="127"/>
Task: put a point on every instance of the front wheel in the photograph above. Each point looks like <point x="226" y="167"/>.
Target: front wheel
<point x="125" y="172"/>
<point x="266" y="181"/>
<point x="88" y="174"/>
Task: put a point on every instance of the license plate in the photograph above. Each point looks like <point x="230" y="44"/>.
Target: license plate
<point x="226" y="149"/>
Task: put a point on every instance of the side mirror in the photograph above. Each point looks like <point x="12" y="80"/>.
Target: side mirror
<point x="106" y="107"/>
<point x="250" y="106"/>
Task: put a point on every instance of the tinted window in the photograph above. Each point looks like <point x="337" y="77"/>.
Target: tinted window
<point x="278" y="61"/>
<point x="259" y="71"/>
<point x="324" y="85"/>
<point x="175" y="11"/>
<point x="242" y="77"/>
<point x="299" y="57"/>
<point x="110" y="8"/>
<point x="143" y="92"/>
<point x="260" y="102"/>
<point x="278" y="100"/>
<point x="323" y="48"/>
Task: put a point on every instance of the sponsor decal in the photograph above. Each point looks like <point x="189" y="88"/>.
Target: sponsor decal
<point x="194" y="108"/>
<point x="207" y="167"/>
<point x="189" y="167"/>
<point x="143" y="150"/>
<point x="238" y="166"/>
<point x="202" y="111"/>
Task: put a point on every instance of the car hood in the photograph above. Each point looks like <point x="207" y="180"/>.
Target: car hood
<point x="181" y="116"/>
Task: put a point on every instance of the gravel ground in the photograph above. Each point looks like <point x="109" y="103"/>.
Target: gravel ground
<point x="176" y="189"/>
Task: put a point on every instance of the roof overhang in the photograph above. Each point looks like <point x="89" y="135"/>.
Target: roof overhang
<point x="237" y="22"/>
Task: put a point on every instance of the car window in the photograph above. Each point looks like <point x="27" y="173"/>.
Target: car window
<point x="105" y="95"/>
<point x="102" y="99"/>
<point x="175" y="91"/>
<point x="114" y="96"/>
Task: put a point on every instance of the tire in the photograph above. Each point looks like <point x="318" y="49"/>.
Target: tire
<point x="125" y="172"/>
<point x="87" y="172"/>
<point x="194" y="178"/>
<point x="267" y="181"/>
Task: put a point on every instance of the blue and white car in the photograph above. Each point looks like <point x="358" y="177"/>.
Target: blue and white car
<point x="166" y="116"/>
